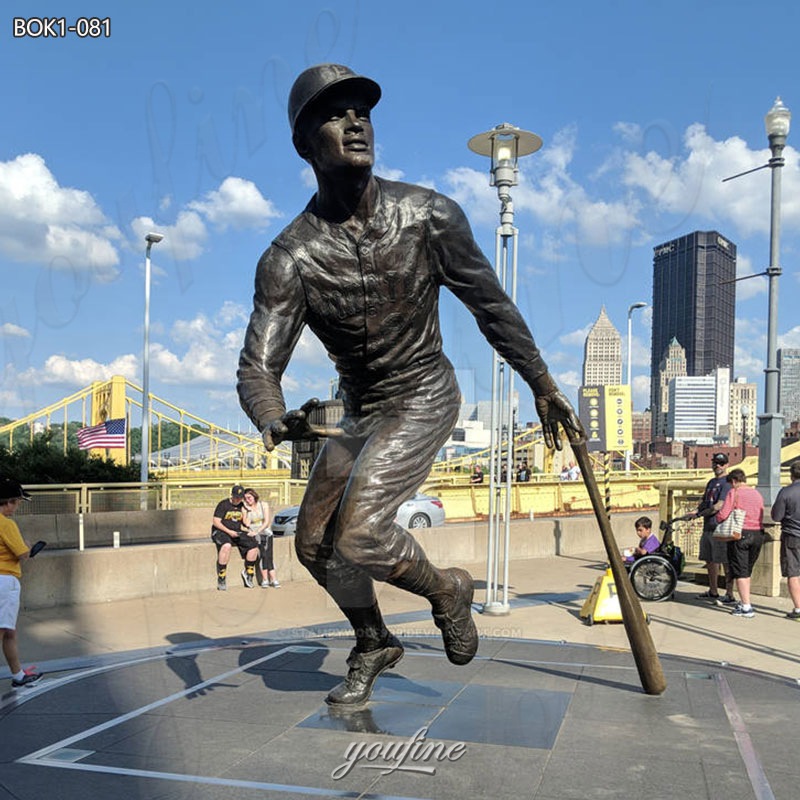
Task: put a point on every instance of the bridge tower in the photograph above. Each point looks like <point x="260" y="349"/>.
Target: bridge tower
<point x="108" y="402"/>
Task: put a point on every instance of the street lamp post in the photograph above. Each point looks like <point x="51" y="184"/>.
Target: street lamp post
<point x="745" y="411"/>
<point x="770" y="428"/>
<point x="504" y="144"/>
<point x="631" y="308"/>
<point x="151" y="239"/>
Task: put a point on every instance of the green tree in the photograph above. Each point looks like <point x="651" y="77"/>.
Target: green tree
<point x="44" y="461"/>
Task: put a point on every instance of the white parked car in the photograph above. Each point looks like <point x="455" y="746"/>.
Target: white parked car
<point x="284" y="522"/>
<point x="421" y="511"/>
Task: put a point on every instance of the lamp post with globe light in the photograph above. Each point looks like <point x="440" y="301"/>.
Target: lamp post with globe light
<point x="504" y="144"/>
<point x="770" y="424"/>
<point x="770" y="427"/>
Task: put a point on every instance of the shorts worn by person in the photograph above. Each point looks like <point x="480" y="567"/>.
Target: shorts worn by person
<point x="13" y="551"/>
<point x="362" y="267"/>
<point x="228" y="530"/>
<point x="786" y="510"/>
<point x="714" y="552"/>
<point x="744" y="549"/>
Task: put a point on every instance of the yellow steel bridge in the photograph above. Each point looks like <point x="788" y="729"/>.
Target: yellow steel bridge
<point x="206" y="450"/>
<point x="201" y="446"/>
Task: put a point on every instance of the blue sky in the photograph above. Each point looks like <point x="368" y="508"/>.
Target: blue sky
<point x="176" y="122"/>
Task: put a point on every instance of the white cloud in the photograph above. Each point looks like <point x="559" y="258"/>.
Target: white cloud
<point x="307" y="177"/>
<point x="745" y="289"/>
<point x="59" y="369"/>
<point x="10" y="329"/>
<point x="641" y="392"/>
<point x="576" y="338"/>
<point x="199" y="352"/>
<point x="748" y="365"/>
<point x="569" y="380"/>
<point x="237" y="203"/>
<point x="791" y="338"/>
<point x="471" y="190"/>
<point x="185" y="239"/>
<point x="384" y="170"/>
<point x="45" y="223"/>
<point x="660" y="194"/>
<point x="231" y="313"/>
<point x="640" y="354"/>
<point x="630" y="132"/>
<point x="750" y="349"/>
<point x="547" y="191"/>
<point x="310" y="351"/>
<point x="691" y="182"/>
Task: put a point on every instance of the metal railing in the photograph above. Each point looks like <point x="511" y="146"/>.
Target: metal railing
<point x="91" y="498"/>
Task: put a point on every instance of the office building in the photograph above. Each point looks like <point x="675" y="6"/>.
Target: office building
<point x="694" y="299"/>
<point x="692" y="414"/>
<point x="641" y="426"/>
<point x="744" y="398"/>
<point x="723" y="419"/>
<point x="672" y="365"/>
<point x="602" y="354"/>
<point x="789" y="385"/>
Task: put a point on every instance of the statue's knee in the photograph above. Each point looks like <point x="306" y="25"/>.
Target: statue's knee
<point x="307" y="551"/>
<point x="352" y="545"/>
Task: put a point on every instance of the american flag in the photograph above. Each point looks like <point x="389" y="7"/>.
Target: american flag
<point x="109" y="434"/>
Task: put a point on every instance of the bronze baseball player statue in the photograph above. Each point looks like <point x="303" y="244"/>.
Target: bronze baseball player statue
<point x="362" y="266"/>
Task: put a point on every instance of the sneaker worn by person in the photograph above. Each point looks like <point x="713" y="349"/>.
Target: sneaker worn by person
<point x="793" y="614"/>
<point x="727" y="600"/>
<point x="247" y="580"/>
<point x="276" y="584"/>
<point x="222" y="585"/>
<point x="709" y="595"/>
<point x="29" y="677"/>
<point x="364" y="669"/>
<point x="740" y="611"/>
<point x="452" y="614"/>
<point x="265" y="584"/>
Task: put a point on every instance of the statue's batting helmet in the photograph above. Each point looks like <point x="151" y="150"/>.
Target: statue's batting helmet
<point x="312" y="83"/>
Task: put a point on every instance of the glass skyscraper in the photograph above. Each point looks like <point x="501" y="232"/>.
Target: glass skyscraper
<point x="789" y="387"/>
<point x="694" y="299"/>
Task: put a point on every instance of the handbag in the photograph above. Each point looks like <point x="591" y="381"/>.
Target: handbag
<point x="731" y="527"/>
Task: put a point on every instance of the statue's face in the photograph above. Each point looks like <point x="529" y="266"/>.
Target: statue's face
<point x="337" y="132"/>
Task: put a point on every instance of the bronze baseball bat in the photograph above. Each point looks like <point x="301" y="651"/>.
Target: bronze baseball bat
<point x="644" y="651"/>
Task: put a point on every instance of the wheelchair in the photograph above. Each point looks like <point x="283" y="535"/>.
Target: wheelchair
<point x="655" y="576"/>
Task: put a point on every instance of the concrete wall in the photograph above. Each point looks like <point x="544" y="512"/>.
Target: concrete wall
<point x="99" y="574"/>
<point x="62" y="531"/>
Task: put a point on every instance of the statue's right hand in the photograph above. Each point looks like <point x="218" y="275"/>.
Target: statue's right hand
<point x="294" y="425"/>
<point x="274" y="434"/>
